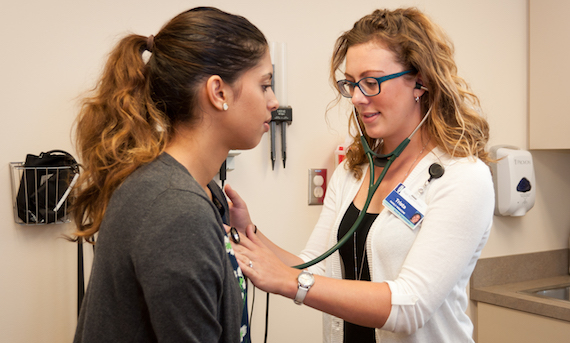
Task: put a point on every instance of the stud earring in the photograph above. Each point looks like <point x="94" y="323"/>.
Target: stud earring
<point x="417" y="98"/>
<point x="225" y="106"/>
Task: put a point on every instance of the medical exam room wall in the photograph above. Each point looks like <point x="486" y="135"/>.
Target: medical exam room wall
<point x="53" y="51"/>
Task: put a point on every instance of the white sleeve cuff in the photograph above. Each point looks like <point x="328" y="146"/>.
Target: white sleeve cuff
<point x="398" y="299"/>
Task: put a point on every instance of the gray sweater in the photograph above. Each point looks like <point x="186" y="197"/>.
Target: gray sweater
<point x="161" y="272"/>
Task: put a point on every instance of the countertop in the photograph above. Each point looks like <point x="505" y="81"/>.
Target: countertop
<point x="500" y="280"/>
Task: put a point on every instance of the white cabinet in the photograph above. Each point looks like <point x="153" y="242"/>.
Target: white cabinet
<point x="499" y="324"/>
<point x="549" y="74"/>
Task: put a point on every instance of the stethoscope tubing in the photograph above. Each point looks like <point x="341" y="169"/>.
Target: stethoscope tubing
<point x="373" y="186"/>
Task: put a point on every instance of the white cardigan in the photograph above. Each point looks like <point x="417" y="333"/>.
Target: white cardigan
<point x="427" y="269"/>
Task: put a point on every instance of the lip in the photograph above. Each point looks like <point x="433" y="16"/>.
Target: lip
<point x="368" y="117"/>
<point x="266" y="124"/>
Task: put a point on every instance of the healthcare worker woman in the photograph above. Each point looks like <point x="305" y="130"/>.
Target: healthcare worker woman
<point x="395" y="280"/>
<point x="151" y="138"/>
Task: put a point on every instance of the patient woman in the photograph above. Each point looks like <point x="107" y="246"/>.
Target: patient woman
<point x="151" y="137"/>
<point x="393" y="281"/>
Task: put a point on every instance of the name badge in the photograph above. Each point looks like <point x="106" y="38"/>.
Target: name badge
<point x="405" y="206"/>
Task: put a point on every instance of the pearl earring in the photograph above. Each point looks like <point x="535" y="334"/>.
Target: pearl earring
<point x="225" y="106"/>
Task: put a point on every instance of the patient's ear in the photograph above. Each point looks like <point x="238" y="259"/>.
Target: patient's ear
<point x="217" y="92"/>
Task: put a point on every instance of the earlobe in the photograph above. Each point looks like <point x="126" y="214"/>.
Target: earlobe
<point x="422" y="89"/>
<point x="217" y="92"/>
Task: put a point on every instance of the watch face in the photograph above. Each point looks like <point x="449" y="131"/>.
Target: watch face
<point x="306" y="279"/>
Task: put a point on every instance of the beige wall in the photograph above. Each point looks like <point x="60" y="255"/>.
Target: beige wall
<point x="52" y="51"/>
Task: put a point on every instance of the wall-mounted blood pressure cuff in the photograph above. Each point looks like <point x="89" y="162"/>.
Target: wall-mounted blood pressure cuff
<point x="399" y="301"/>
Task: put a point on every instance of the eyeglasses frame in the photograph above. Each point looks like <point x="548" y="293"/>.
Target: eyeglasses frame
<point x="339" y="83"/>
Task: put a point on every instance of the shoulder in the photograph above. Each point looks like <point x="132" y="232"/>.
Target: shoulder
<point x="164" y="171"/>
<point x="465" y="174"/>
<point x="180" y="218"/>
<point x="343" y="174"/>
<point x="163" y="174"/>
<point x="162" y="194"/>
<point x="468" y="169"/>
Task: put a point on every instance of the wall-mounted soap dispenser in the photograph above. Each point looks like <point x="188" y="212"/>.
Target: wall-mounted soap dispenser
<point x="514" y="181"/>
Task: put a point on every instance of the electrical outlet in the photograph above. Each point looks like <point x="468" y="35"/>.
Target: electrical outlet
<point x="317" y="186"/>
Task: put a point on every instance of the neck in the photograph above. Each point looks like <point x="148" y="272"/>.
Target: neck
<point x="419" y="146"/>
<point x="195" y="151"/>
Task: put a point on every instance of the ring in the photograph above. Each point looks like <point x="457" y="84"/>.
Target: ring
<point x="234" y="234"/>
<point x="250" y="264"/>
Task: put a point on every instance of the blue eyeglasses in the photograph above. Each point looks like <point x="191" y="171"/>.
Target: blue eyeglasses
<point x="369" y="86"/>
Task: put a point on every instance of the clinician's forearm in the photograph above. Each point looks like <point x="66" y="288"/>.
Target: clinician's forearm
<point x="285" y="256"/>
<point x="360" y="302"/>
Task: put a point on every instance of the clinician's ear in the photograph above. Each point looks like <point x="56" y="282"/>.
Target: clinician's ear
<point x="420" y="84"/>
<point x="217" y="92"/>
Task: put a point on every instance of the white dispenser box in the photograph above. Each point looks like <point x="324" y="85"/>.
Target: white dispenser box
<point x="514" y="180"/>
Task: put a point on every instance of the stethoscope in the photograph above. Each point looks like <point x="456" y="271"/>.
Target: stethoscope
<point x="381" y="161"/>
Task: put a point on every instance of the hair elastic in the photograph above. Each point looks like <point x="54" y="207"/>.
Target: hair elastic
<point x="150" y="43"/>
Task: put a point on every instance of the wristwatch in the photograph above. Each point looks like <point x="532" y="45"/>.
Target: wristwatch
<point x="305" y="280"/>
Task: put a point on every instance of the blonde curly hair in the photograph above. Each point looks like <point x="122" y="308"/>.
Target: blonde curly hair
<point x="455" y="123"/>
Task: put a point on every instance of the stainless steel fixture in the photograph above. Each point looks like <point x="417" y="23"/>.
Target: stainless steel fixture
<point x="558" y="292"/>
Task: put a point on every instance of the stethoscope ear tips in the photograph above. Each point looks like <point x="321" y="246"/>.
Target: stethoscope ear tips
<point x="420" y="86"/>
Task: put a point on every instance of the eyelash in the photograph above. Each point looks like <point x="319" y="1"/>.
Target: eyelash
<point x="264" y="87"/>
